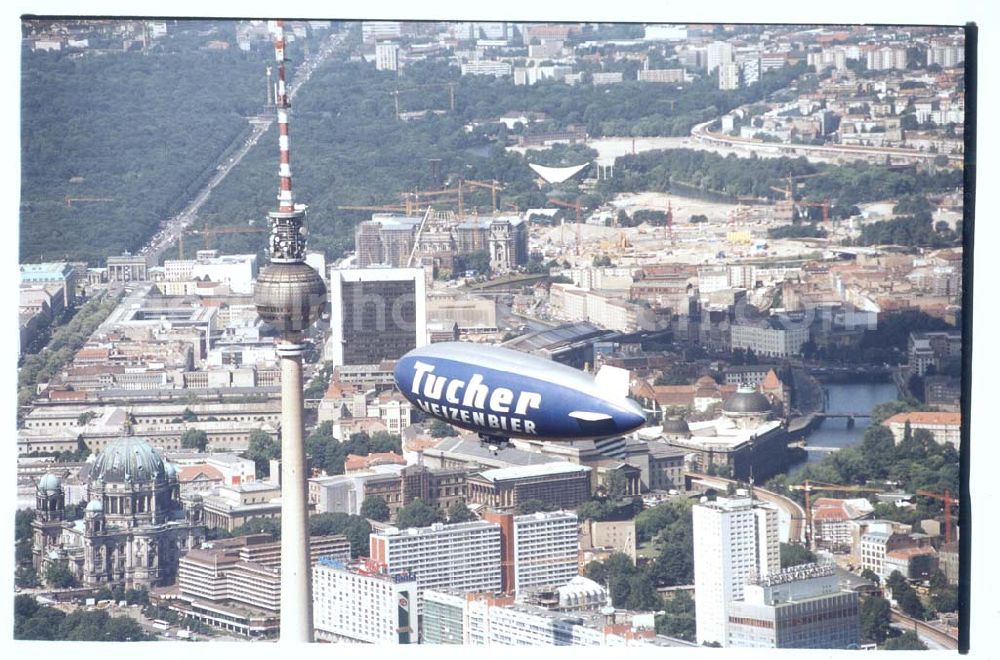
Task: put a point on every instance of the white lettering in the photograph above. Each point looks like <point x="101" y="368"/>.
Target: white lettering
<point x="434" y="386"/>
<point x="475" y="393"/>
<point x="503" y="422"/>
<point x="526" y="400"/>
<point x="436" y="409"/>
<point x="529" y="427"/>
<point x="494" y="421"/>
<point x="465" y="416"/>
<point x="421" y="369"/>
<point x="500" y="400"/>
<point x="451" y="394"/>
<point x="515" y="425"/>
<point x="479" y="419"/>
<point x="424" y="405"/>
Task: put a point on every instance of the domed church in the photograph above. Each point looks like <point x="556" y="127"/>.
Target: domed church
<point x="134" y="527"/>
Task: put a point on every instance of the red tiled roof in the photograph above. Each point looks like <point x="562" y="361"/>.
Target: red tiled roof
<point x="192" y="472"/>
<point x="925" y="418"/>
<point x="355" y="462"/>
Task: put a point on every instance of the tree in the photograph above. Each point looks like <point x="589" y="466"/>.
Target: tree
<point x="871" y="576"/>
<point x="261" y="449"/>
<point x="910" y="603"/>
<point x="194" y="439"/>
<point x="375" y="508"/>
<point x="441" y="429"/>
<point x="84" y="418"/>
<point x="333" y="458"/>
<point x="458" y="512"/>
<point x="270" y="526"/>
<point x="531" y="506"/>
<point x="678" y="618"/>
<point x="416" y="514"/>
<point x="875" y="619"/>
<point x="793" y="554"/>
<point x="908" y="641"/>
<point x="616" y="485"/>
<point x="944" y="599"/>
<point x="57" y="575"/>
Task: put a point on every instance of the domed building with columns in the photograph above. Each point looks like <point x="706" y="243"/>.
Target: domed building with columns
<point x="745" y="438"/>
<point x="134" y="527"/>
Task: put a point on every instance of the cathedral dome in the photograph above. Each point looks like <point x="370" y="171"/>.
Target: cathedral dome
<point x="129" y="460"/>
<point x="676" y="426"/>
<point x="49" y="482"/>
<point x="746" y="401"/>
<point x="95" y="506"/>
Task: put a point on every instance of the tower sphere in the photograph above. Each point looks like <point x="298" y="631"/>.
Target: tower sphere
<point x="289" y="296"/>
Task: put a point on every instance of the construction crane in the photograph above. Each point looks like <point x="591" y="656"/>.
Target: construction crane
<point x="387" y="208"/>
<point x="808" y="487"/>
<point x="70" y="200"/>
<point x="579" y="222"/>
<point x="416" y="238"/>
<point x="492" y="186"/>
<point x="451" y="94"/>
<point x="209" y="232"/>
<point x="948" y="501"/>
<point x="789" y="191"/>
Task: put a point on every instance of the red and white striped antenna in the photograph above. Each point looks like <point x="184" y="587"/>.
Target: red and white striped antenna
<point x="286" y="200"/>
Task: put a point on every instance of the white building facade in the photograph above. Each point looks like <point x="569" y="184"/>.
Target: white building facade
<point x="351" y="604"/>
<point x="735" y="539"/>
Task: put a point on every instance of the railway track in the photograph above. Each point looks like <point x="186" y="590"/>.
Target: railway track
<point x="923" y="629"/>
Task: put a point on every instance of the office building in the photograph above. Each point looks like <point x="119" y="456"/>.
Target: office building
<point x="735" y="540"/>
<point x="376" y="314"/>
<point x="387" y="56"/>
<point x="801" y="607"/>
<point x="357" y="603"/>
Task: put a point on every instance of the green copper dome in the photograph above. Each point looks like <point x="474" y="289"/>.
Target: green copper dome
<point x="49" y="482"/>
<point x="129" y="459"/>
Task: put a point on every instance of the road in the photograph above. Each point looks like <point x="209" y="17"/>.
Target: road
<point x="816" y="153"/>
<point x="172" y="228"/>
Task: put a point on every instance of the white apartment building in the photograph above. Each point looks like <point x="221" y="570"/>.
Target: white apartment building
<point x="718" y="53"/>
<point x="386" y="59"/>
<point x="729" y="76"/>
<point x="463" y="557"/>
<point x="773" y="338"/>
<point x="546" y="549"/>
<point x="352" y="604"/>
<point x="450" y="618"/>
<point x="494" y="68"/>
<point x="372" y="31"/>
<point x="887" y="57"/>
<point x="735" y="539"/>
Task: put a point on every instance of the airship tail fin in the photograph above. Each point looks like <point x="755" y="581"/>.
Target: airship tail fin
<point x="613" y="380"/>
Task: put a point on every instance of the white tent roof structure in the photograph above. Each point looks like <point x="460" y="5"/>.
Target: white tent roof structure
<point x="557" y="174"/>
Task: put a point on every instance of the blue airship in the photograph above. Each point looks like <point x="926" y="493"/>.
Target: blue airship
<point x="502" y="394"/>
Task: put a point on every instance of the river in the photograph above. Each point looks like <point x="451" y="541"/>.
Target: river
<point x="845" y="398"/>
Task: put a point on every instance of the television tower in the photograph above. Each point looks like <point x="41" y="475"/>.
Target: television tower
<point x="289" y="296"/>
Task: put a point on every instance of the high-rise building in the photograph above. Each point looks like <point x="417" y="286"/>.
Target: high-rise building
<point x="717" y="54"/>
<point x="464" y="557"/>
<point x="353" y="603"/>
<point x="376" y="314"/>
<point x="387" y="56"/>
<point x="373" y="31"/>
<point x="539" y="550"/>
<point x="729" y="75"/>
<point x="801" y="607"/>
<point x="735" y="540"/>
